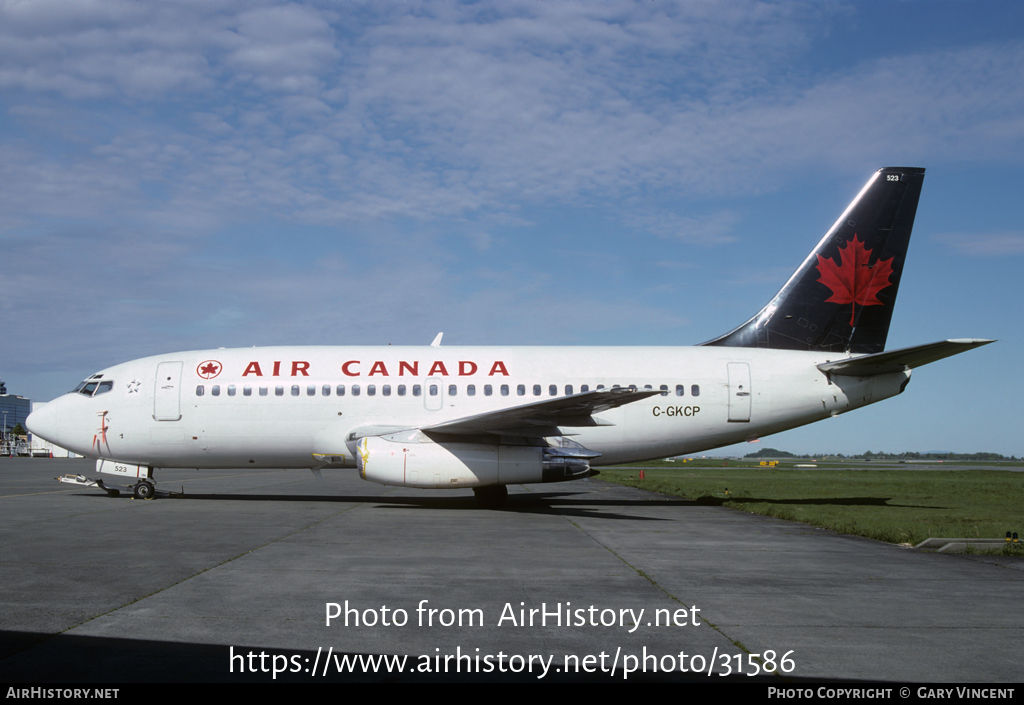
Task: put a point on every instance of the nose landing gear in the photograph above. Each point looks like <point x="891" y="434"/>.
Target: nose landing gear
<point x="143" y="489"/>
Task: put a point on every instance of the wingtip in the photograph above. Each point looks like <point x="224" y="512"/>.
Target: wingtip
<point x="971" y="341"/>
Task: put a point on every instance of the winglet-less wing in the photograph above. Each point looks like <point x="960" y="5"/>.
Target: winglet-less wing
<point x="902" y="359"/>
<point x="540" y="416"/>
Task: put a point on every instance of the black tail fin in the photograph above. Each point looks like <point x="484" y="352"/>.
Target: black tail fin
<point x="841" y="298"/>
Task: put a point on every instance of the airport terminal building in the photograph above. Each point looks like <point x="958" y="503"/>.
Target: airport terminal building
<point x="13" y="409"/>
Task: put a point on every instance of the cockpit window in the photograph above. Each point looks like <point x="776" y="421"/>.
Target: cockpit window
<point x="91" y="387"/>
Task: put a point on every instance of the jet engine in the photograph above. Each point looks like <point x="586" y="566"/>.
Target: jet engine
<point x="420" y="462"/>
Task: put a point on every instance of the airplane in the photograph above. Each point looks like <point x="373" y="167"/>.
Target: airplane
<point x="486" y="417"/>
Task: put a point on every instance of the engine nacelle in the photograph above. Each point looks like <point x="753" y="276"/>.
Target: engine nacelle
<point x="424" y="463"/>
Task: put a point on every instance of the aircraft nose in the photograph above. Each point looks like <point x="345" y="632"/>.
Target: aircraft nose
<point x="43" y="422"/>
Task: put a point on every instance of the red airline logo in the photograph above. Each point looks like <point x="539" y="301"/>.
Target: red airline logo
<point x="209" y="369"/>
<point x="853" y="281"/>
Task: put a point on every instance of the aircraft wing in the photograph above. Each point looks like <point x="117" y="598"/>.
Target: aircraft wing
<point x="902" y="359"/>
<point x="543" y="417"/>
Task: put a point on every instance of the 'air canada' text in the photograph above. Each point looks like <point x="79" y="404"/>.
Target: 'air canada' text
<point x="356" y="368"/>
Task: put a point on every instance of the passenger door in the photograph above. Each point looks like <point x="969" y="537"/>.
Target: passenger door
<point x="167" y="395"/>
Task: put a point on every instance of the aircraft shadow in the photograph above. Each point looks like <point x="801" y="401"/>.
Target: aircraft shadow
<point x="839" y="501"/>
<point x="568" y="502"/>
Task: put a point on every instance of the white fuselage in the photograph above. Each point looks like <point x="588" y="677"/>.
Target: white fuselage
<point x="281" y="407"/>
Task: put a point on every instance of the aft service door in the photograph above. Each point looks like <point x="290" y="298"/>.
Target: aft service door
<point x="739" y="391"/>
<point x="167" y="397"/>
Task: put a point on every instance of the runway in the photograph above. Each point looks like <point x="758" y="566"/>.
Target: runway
<point x="106" y="589"/>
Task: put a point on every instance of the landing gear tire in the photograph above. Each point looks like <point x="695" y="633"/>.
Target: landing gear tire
<point x="492" y="496"/>
<point x="143" y="490"/>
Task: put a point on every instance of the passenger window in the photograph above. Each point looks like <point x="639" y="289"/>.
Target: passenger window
<point x="433" y="390"/>
<point x="326" y="390"/>
<point x="104" y="387"/>
<point x="680" y="390"/>
<point x="215" y="390"/>
<point x="488" y="390"/>
<point x="371" y="390"/>
<point x="536" y="390"/>
<point x="504" y="390"/>
<point x="200" y="390"/>
<point x="355" y="390"/>
<point x="401" y="390"/>
<point x="247" y="391"/>
<point x="341" y="390"/>
<point x="568" y="390"/>
<point x="452" y="390"/>
<point x="279" y="391"/>
<point x="600" y="386"/>
<point x="664" y="390"/>
<point x="295" y="390"/>
<point x="647" y="386"/>
<point x="386" y="390"/>
<point x="231" y="390"/>
<point x="311" y="390"/>
<point x="471" y="390"/>
<point x="695" y="390"/>
<point x="553" y="390"/>
<point x="584" y="388"/>
<point x="416" y="390"/>
<point x="521" y="390"/>
<point x="263" y="391"/>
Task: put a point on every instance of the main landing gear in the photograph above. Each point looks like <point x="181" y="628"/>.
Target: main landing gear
<point x="491" y="496"/>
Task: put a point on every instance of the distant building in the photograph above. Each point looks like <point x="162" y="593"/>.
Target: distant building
<point x="13" y="409"/>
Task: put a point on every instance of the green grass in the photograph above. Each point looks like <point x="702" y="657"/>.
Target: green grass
<point x="894" y="505"/>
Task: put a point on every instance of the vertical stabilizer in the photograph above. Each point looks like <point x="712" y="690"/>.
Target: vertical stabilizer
<point x="842" y="296"/>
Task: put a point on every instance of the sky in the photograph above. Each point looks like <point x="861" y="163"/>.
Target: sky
<point x="195" y="175"/>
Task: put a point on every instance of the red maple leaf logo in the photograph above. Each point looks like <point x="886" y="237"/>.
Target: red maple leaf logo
<point x="209" y="369"/>
<point x="853" y="280"/>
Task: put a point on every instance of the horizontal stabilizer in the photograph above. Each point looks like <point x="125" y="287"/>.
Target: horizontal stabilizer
<point x="902" y="359"/>
<point x="575" y="410"/>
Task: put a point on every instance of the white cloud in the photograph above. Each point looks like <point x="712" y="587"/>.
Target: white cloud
<point x="139" y="137"/>
<point x="1005" y="244"/>
<point x="707" y="230"/>
<point x="333" y="114"/>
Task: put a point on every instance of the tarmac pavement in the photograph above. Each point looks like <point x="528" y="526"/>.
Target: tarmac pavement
<point x="103" y="589"/>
